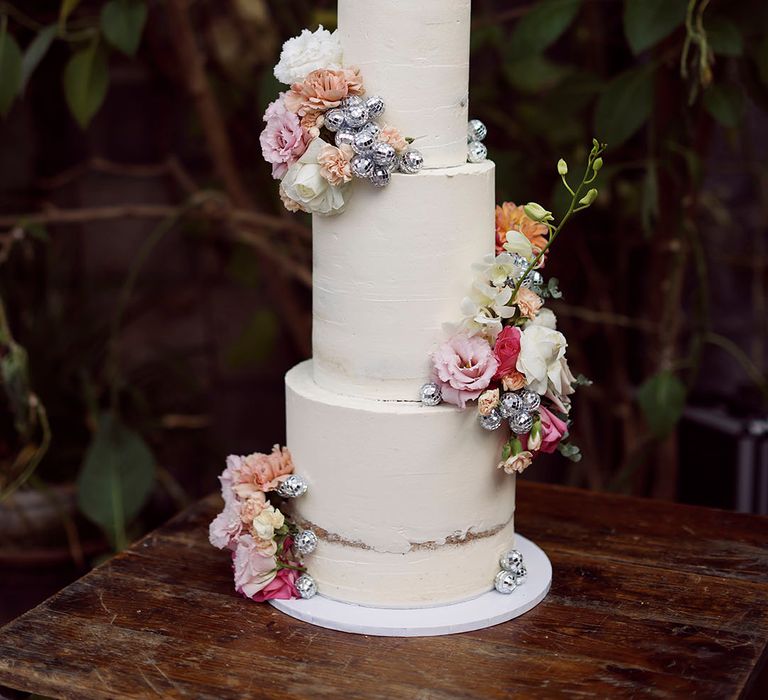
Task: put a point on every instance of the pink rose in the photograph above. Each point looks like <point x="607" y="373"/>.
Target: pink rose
<point x="260" y="472"/>
<point x="253" y="570"/>
<point x="283" y="140"/>
<point x="552" y="430"/>
<point x="226" y="526"/>
<point x="282" y="587"/>
<point x="506" y="350"/>
<point x="464" y="367"/>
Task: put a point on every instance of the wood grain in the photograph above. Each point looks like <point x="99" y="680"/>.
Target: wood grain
<point x="648" y="600"/>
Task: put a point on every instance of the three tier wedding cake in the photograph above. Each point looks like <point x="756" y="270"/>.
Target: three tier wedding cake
<point x="391" y="493"/>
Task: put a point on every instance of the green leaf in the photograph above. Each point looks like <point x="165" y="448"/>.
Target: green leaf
<point x="86" y="78"/>
<point x="725" y="102"/>
<point x="570" y="451"/>
<point x="535" y="73"/>
<point x="116" y="478"/>
<point x="10" y="70"/>
<point x="724" y="37"/>
<point x="67" y="7"/>
<point x="36" y="52"/>
<point x="122" y="22"/>
<point x="662" y="399"/>
<point x="624" y="106"/>
<point x="256" y="342"/>
<point x="647" y="22"/>
<point x="541" y="27"/>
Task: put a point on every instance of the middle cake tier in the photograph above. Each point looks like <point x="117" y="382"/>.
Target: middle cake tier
<point x="390" y="272"/>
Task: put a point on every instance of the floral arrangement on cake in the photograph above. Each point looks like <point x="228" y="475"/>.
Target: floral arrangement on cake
<point x="507" y="354"/>
<point x="267" y="549"/>
<point x="323" y="132"/>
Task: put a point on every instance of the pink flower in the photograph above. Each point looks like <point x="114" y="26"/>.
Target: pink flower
<point x="552" y="430"/>
<point x="335" y="164"/>
<point x="390" y="135"/>
<point x="252" y="506"/>
<point x="260" y="472"/>
<point x="226" y="526"/>
<point x="528" y="302"/>
<point x="253" y="569"/>
<point x="464" y="367"/>
<point x="282" y="587"/>
<point x="283" y="140"/>
<point x="516" y="464"/>
<point x="506" y="350"/>
<point x="323" y="89"/>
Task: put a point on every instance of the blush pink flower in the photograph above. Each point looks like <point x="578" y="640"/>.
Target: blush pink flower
<point x="260" y="472"/>
<point x="552" y="430"/>
<point x="516" y="464"/>
<point x="252" y="507"/>
<point x="282" y="587"/>
<point x="226" y="526"/>
<point x="528" y="302"/>
<point x="253" y="570"/>
<point x="283" y="140"/>
<point x="335" y="164"/>
<point x="464" y="367"/>
<point x="323" y="89"/>
<point x="392" y="136"/>
<point x="506" y="350"/>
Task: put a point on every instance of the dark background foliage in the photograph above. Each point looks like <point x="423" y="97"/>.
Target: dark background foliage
<point x="154" y="292"/>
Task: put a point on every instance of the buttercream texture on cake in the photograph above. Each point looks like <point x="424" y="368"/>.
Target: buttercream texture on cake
<point x="415" y="54"/>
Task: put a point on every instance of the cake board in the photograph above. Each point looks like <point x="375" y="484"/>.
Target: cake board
<point x="489" y="609"/>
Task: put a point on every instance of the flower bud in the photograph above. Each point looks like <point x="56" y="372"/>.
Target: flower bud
<point x="597" y="164"/>
<point x="562" y="167"/>
<point x="534" y="439"/>
<point x="537" y="212"/>
<point x="589" y="197"/>
<point x="516" y="445"/>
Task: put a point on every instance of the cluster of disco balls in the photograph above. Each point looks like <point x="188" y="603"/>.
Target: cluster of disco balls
<point x="513" y="572"/>
<point x="477" y="151"/>
<point x="354" y="124"/>
<point x="518" y="408"/>
<point x="305" y="541"/>
<point x="534" y="280"/>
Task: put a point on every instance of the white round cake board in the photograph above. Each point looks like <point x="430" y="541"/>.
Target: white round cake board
<point x="489" y="609"/>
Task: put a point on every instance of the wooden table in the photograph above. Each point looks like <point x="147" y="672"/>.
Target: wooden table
<point x="648" y="599"/>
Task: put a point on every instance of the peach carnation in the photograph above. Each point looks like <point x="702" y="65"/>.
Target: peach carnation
<point x="260" y="472"/>
<point x="334" y="164"/>
<point x="512" y="218"/>
<point x="488" y="401"/>
<point x="517" y="464"/>
<point x="514" y="381"/>
<point x="528" y="302"/>
<point x="312" y="122"/>
<point x="390" y="135"/>
<point x="323" y="89"/>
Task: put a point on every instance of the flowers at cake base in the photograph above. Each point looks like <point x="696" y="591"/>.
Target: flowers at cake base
<point x="254" y="529"/>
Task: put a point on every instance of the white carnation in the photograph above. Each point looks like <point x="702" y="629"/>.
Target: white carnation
<point x="307" y="52"/>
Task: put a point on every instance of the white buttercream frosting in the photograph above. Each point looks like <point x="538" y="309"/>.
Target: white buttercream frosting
<point x="415" y="54"/>
<point x="391" y="271"/>
<point x="402" y="492"/>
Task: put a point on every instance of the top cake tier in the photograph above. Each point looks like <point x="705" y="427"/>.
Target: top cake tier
<point x="415" y="54"/>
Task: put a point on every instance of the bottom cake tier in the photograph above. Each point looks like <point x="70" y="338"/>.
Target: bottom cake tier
<point x="408" y="505"/>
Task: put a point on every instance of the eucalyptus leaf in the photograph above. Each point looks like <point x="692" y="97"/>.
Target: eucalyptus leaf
<point x="122" y="22"/>
<point x="10" y="70"/>
<point x="624" y="106"/>
<point x="662" y="399"/>
<point x="725" y="102"/>
<point x="35" y="53"/>
<point x="86" y="78"/>
<point x="116" y="478"/>
<point x="541" y="27"/>
<point x="647" y="22"/>
<point x="570" y="451"/>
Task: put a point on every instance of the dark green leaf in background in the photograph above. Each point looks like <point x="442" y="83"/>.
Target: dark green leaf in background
<point x="10" y="70"/>
<point x="624" y="106"/>
<point x="256" y="342"/>
<point x="725" y="102"/>
<point x="116" y="478"/>
<point x="122" y="22"/>
<point x="541" y="27"/>
<point x="36" y="52"/>
<point x="724" y="37"/>
<point x="662" y="399"/>
<point x="535" y="73"/>
<point x="86" y="78"/>
<point x="646" y="22"/>
<point x="67" y="7"/>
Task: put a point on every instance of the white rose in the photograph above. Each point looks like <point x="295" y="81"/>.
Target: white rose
<point x="545" y="318"/>
<point x="266" y="522"/>
<point x="541" y="353"/>
<point x="305" y="185"/>
<point x="307" y="52"/>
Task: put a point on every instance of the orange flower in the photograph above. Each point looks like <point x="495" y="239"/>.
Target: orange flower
<point x="514" y="381"/>
<point x="528" y="302"/>
<point x="510" y="217"/>
<point x="323" y="89"/>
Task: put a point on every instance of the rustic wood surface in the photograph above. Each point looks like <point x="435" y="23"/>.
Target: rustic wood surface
<point x="648" y="600"/>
